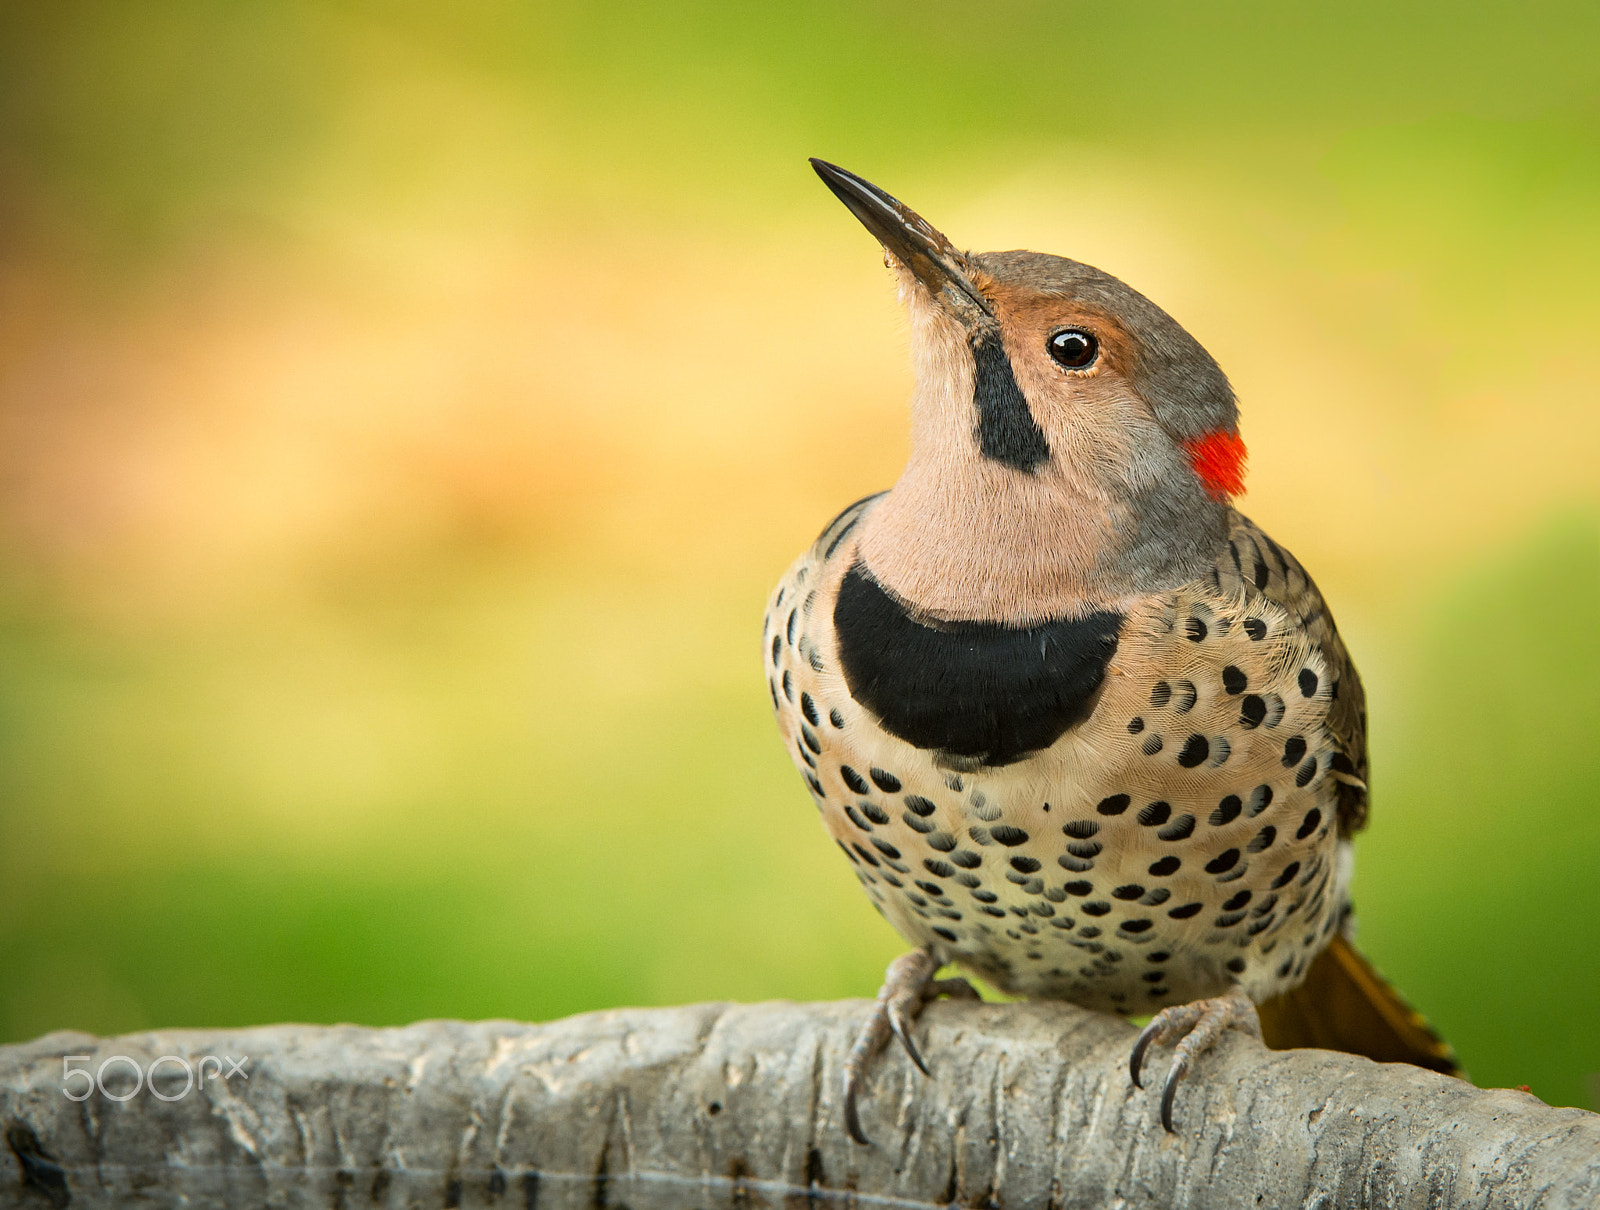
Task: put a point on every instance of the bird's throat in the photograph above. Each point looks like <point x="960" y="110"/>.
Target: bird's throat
<point x="965" y="539"/>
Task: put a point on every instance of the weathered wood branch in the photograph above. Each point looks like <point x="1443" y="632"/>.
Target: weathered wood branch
<point x="738" y="1105"/>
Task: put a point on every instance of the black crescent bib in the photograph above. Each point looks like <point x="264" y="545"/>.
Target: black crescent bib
<point x="974" y="689"/>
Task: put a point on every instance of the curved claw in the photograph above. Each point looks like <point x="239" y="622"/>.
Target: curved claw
<point x="907" y="986"/>
<point x="1147" y="1037"/>
<point x="902" y="1030"/>
<point x="1200" y="1023"/>
<point x="852" y="1116"/>
<point x="1169" y="1094"/>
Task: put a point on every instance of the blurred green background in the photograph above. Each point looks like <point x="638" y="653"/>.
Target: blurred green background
<point x="404" y="410"/>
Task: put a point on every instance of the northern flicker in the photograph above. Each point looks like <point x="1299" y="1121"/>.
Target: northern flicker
<point x="1080" y="727"/>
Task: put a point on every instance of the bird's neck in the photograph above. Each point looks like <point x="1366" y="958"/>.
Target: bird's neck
<point x="961" y="538"/>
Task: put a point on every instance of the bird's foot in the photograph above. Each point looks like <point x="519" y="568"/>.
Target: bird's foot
<point x="908" y="984"/>
<point x="1199" y="1024"/>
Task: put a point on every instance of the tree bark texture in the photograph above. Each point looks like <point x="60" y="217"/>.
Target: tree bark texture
<point x="719" y="1105"/>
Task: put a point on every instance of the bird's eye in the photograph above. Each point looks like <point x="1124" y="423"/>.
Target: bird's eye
<point x="1074" y="348"/>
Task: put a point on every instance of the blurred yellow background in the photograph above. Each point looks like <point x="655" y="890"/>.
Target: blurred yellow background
<point x="404" y="410"/>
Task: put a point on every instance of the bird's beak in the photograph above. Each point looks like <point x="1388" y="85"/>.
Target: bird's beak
<point x="909" y="238"/>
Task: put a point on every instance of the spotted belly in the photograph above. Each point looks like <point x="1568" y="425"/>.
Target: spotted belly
<point x="1178" y="841"/>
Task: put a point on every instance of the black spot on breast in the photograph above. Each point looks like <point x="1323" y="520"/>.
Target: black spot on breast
<point x="777" y="648"/>
<point x="917" y="824"/>
<point x="1008" y="836"/>
<point x="794" y="615"/>
<point x="1309" y="824"/>
<point x="808" y="708"/>
<point x="1132" y="891"/>
<point x="1135" y="926"/>
<point x="1084" y="848"/>
<point x="853" y="779"/>
<point x="1081" y="829"/>
<point x="1151" y="745"/>
<point x="1096" y="908"/>
<point x="884" y="847"/>
<point x="1308" y="683"/>
<point x="1223" y="861"/>
<point x="864" y="854"/>
<point x="810" y="736"/>
<point x="966" y="859"/>
<point x="1024" y="865"/>
<point x="887" y="782"/>
<point x="919" y="805"/>
<point x="1256" y="629"/>
<point x="1251" y="711"/>
<point x="1155" y="813"/>
<point x="1007" y="431"/>
<point x="1263" y="839"/>
<point x="1293" y="751"/>
<point x="1306" y="772"/>
<point x="938" y="869"/>
<point x="1167" y="865"/>
<point x="788" y="686"/>
<point x="1227" y="810"/>
<point x="1135" y="725"/>
<point x="1187" y="910"/>
<point x="1237" y="901"/>
<point x="855" y="818"/>
<point x="943" y="932"/>
<point x="1260" y="799"/>
<point x="1183" y="696"/>
<point x="816" y="786"/>
<point x="1194" y="630"/>
<point x="772" y="689"/>
<point x="874" y="812"/>
<point x="1161" y="694"/>
<point x="971" y="688"/>
<point x="1261" y="573"/>
<point x="836" y="718"/>
<point x="1115" y="805"/>
<point x="1180" y="828"/>
<point x="1234" y="680"/>
<point x="1081" y="887"/>
<point x="942" y="842"/>
<point x="985" y="896"/>
<point x="1195" y="749"/>
<point x="1236" y="965"/>
<point x="932" y="888"/>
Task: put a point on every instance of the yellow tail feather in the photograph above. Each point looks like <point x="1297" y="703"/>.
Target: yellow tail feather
<point x="1346" y="1005"/>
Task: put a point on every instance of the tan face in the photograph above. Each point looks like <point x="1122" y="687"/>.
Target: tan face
<point x="1100" y="431"/>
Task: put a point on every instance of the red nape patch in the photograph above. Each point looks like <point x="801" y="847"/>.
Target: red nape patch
<point x="1218" y="458"/>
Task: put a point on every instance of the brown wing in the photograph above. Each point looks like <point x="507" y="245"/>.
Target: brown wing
<point x="1253" y="563"/>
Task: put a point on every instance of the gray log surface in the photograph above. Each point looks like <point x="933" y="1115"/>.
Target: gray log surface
<point x="739" y="1106"/>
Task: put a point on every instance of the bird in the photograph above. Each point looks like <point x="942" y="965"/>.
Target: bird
<point x="1080" y="727"/>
